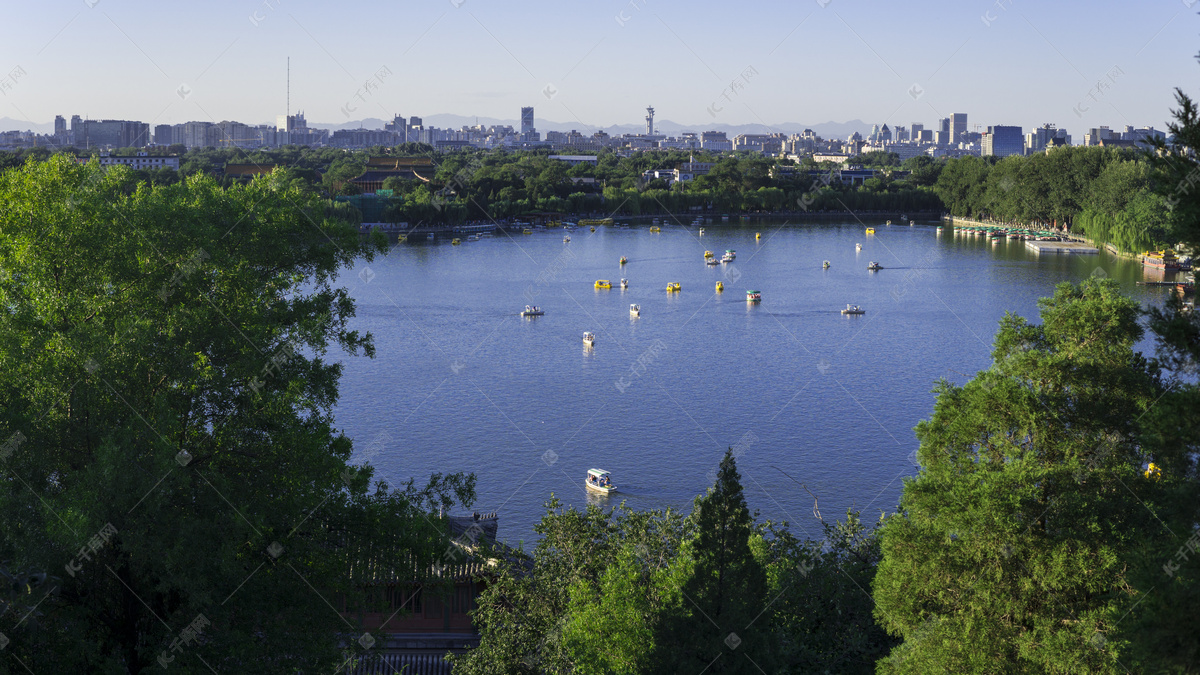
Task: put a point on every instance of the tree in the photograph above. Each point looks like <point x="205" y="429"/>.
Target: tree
<point x="821" y="608"/>
<point x="1013" y="547"/>
<point x="594" y="573"/>
<point x="717" y="626"/>
<point x="167" y="439"/>
<point x="1169" y="621"/>
<point x="609" y="627"/>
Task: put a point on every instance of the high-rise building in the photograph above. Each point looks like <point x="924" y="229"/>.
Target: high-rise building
<point x="60" y="129"/>
<point x="885" y="134"/>
<point x="1002" y="141"/>
<point x="941" y="137"/>
<point x="162" y="134"/>
<point x="943" y="125"/>
<point x="76" y="130"/>
<point x="1038" y="139"/>
<point x="916" y="131"/>
<point x="112" y="134"/>
<point x="195" y="134"/>
<point x="526" y="120"/>
<point x="958" y="127"/>
<point x="415" y="122"/>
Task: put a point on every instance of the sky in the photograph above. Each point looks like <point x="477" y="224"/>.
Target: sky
<point x="601" y="62"/>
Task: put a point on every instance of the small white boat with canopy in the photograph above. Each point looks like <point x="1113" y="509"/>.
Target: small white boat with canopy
<point x="598" y="481"/>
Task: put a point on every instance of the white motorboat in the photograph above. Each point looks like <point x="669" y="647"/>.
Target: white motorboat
<point x="598" y="480"/>
<point x="853" y="309"/>
<point x="533" y="310"/>
<point x="635" y="310"/>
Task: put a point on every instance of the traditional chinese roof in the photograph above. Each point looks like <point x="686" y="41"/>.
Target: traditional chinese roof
<point x="248" y="169"/>
<point x="399" y="163"/>
<point x="471" y="550"/>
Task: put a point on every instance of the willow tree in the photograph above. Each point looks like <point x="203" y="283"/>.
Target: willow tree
<point x="168" y="451"/>
<point x="1014" y="547"/>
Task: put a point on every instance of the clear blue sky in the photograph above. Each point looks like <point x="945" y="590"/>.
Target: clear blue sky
<point x="1015" y="62"/>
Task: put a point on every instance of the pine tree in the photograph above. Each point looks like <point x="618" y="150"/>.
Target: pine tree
<point x="722" y="626"/>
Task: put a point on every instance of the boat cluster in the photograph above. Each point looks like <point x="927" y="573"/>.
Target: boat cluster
<point x="994" y="233"/>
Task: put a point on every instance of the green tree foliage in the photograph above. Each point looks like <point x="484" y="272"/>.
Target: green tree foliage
<point x="822" y="610"/>
<point x="1105" y="194"/>
<point x="535" y="616"/>
<point x="1014" y="547"/>
<point x="1170" y="641"/>
<point x="168" y="444"/>
<point x="718" y="626"/>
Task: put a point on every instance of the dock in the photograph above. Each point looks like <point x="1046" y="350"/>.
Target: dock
<point x="1040" y="247"/>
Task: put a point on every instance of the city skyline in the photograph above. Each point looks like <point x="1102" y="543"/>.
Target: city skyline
<point x="599" y="66"/>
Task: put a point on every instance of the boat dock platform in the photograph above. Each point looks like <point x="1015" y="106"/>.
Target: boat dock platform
<point x="1040" y="247"/>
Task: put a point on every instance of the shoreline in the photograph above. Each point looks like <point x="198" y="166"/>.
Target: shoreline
<point x="1070" y="236"/>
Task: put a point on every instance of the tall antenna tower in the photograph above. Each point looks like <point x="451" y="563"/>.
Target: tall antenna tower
<point x="649" y="120"/>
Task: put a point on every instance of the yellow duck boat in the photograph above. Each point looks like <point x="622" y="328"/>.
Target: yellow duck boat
<point x="673" y="287"/>
<point x="720" y="287"/>
<point x="870" y="230"/>
<point x="603" y="283"/>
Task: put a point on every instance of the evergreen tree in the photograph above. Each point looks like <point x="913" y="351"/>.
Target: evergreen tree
<point x="722" y="625"/>
<point x="1013" y="548"/>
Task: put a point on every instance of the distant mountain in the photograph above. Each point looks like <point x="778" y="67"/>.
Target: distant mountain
<point x="9" y="124"/>
<point x="447" y="121"/>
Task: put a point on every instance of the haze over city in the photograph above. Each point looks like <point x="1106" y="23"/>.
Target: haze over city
<point x="593" y="65"/>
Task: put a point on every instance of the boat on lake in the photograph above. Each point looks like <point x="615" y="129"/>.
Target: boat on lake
<point x="858" y="247"/>
<point x="720" y="287"/>
<point x="532" y="310"/>
<point x="623" y="260"/>
<point x="635" y="310"/>
<point x="567" y="239"/>
<point x="825" y="265"/>
<point x="624" y="283"/>
<point x="711" y="261"/>
<point x="603" y="283"/>
<point x="853" y="309"/>
<point x="702" y="232"/>
<point x="598" y="480"/>
<point x="589" y="338"/>
<point x="870" y="230"/>
<point x="1161" y="260"/>
<point x="655" y="228"/>
<point x="455" y="241"/>
<point x="874" y="266"/>
<point x="673" y="287"/>
<point x="753" y="296"/>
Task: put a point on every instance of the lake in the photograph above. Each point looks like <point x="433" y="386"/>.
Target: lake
<point x="814" y="400"/>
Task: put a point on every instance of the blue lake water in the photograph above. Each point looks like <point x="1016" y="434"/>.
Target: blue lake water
<point x="461" y="382"/>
